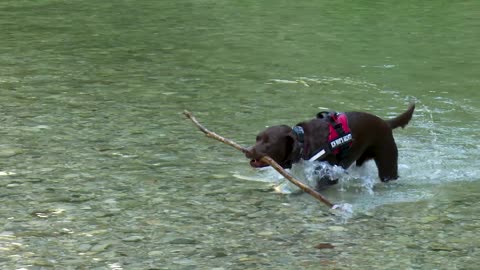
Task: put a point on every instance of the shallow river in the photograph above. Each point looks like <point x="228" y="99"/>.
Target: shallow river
<point x="100" y="170"/>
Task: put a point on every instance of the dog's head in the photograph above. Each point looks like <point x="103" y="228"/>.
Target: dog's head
<point x="277" y="142"/>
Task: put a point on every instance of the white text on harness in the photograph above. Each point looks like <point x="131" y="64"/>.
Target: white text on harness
<point x="342" y="140"/>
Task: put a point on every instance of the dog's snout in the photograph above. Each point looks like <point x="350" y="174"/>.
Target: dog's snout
<point x="254" y="153"/>
<point x="250" y="153"/>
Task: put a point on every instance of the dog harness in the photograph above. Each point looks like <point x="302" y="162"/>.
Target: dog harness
<point x="339" y="135"/>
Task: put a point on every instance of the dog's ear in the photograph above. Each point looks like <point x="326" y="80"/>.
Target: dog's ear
<point x="292" y="148"/>
<point x="289" y="143"/>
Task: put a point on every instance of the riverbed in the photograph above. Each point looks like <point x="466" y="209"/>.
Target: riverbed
<point x="99" y="169"/>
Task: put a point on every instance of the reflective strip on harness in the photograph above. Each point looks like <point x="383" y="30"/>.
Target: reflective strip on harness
<point x="320" y="154"/>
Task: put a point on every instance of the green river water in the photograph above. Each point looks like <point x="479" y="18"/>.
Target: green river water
<point x="100" y="170"/>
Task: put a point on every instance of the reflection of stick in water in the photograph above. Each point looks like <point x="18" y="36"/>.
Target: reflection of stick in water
<point x="265" y="159"/>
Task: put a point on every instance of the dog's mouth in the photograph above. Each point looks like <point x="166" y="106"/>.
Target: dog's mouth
<point x="257" y="163"/>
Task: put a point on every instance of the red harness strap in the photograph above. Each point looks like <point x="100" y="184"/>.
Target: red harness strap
<point x="339" y="136"/>
<point x="339" y="132"/>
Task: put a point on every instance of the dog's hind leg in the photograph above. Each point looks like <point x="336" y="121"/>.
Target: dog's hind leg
<point x="386" y="159"/>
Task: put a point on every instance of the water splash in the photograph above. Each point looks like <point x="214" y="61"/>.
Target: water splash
<point x="434" y="150"/>
<point x="358" y="178"/>
<point x="343" y="211"/>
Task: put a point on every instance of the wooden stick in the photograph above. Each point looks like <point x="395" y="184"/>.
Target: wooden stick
<point x="265" y="159"/>
<point x="214" y="135"/>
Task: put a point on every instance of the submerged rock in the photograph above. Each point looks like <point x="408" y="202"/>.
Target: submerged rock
<point x="133" y="238"/>
<point x="441" y="247"/>
<point x="101" y="247"/>
<point x="183" y="241"/>
<point x="337" y="228"/>
<point x="324" y="246"/>
<point x="429" y="219"/>
<point x="84" y="247"/>
<point x="220" y="254"/>
<point x="6" y="152"/>
<point x="155" y="253"/>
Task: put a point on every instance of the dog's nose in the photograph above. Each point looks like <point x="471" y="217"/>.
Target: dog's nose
<point x="250" y="152"/>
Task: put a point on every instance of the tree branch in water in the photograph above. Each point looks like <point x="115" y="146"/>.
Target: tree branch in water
<point x="265" y="159"/>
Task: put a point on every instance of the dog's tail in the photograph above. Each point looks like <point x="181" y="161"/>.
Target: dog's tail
<point x="403" y="119"/>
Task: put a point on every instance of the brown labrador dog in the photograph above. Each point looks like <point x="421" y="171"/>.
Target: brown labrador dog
<point x="360" y="137"/>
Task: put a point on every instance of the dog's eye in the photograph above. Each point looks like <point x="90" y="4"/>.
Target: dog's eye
<point x="262" y="138"/>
